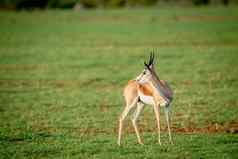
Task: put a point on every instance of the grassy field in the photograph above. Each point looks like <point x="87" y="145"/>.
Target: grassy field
<point x="62" y="74"/>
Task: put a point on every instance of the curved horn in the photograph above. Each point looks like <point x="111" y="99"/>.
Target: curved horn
<point x="146" y="65"/>
<point x="152" y="56"/>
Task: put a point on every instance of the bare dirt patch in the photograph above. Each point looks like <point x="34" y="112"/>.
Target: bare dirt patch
<point x="48" y="83"/>
<point x="141" y="19"/>
<point x="231" y="127"/>
<point x="205" y="18"/>
<point x="186" y="43"/>
<point x="22" y="67"/>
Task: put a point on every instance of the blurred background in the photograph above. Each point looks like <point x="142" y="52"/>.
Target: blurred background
<point x="64" y="64"/>
<point x="89" y="4"/>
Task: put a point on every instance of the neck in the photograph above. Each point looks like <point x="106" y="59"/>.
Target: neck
<point x="158" y="87"/>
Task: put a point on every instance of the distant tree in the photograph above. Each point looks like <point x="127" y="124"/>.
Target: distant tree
<point x="90" y="3"/>
<point x="31" y="4"/>
<point x="201" y="2"/>
<point x="113" y="3"/>
<point x="225" y="2"/>
<point x="61" y="3"/>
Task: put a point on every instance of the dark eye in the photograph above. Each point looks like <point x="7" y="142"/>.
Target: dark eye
<point x="144" y="73"/>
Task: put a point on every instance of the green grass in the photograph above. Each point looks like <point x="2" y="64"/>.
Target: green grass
<point x="62" y="75"/>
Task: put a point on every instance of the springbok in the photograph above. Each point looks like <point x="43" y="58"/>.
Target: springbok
<point x="148" y="89"/>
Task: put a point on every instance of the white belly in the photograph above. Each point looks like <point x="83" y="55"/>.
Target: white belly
<point x="146" y="99"/>
<point x="150" y="101"/>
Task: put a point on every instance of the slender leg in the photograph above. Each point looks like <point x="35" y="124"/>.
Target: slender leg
<point x="122" y="118"/>
<point x="167" y="115"/>
<point x="157" y="115"/>
<point x="136" y="114"/>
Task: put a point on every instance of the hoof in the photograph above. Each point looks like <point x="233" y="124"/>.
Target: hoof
<point x="118" y="143"/>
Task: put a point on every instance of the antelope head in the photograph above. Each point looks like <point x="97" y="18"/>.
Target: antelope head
<point x="148" y="71"/>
